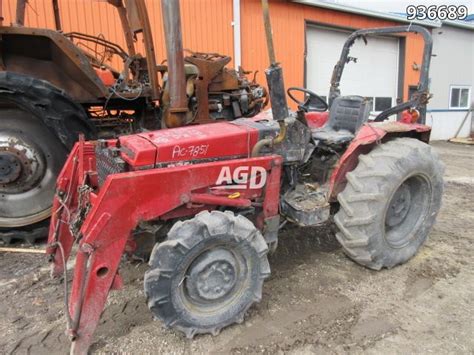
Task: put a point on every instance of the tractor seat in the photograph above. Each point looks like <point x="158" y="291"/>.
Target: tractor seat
<point x="346" y="116"/>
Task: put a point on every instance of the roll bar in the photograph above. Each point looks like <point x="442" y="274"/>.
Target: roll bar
<point x="420" y="97"/>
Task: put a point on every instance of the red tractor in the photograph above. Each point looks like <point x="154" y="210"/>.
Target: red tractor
<point x="213" y="197"/>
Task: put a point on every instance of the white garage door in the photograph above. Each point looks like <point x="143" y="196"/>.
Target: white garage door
<point x="374" y="75"/>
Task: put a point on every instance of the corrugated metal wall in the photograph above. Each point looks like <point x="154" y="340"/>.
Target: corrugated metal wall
<point x="207" y="26"/>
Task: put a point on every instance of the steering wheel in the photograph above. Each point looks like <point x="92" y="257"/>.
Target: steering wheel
<point x="312" y="102"/>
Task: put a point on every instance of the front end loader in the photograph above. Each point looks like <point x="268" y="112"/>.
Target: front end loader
<point x="212" y="199"/>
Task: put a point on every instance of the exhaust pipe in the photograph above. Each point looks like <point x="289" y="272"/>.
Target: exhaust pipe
<point x="276" y="88"/>
<point x="274" y="73"/>
<point x="175" y="114"/>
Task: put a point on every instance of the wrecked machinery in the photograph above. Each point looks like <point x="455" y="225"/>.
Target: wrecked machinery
<point x="212" y="198"/>
<point x="56" y="85"/>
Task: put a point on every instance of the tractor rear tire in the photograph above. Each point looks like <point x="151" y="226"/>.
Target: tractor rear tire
<point x="207" y="273"/>
<point x="38" y="126"/>
<point x="390" y="203"/>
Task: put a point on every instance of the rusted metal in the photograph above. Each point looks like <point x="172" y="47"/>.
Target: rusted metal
<point x="224" y="93"/>
<point x="149" y="47"/>
<point x="110" y="46"/>
<point x="268" y="32"/>
<point x="20" y="12"/>
<point x="69" y="62"/>
<point x="178" y="107"/>
<point x="274" y="73"/>
<point x="57" y="16"/>
<point x="209" y="65"/>
<point x="122" y="11"/>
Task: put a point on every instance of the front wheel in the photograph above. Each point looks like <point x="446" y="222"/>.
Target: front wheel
<point x="390" y="203"/>
<point x="207" y="273"/>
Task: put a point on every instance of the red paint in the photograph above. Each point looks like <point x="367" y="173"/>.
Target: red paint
<point x="106" y="76"/>
<point x="410" y="116"/>
<point x="188" y="143"/>
<point x="123" y="201"/>
<point x="81" y="160"/>
<point x="369" y="135"/>
<point x="316" y="119"/>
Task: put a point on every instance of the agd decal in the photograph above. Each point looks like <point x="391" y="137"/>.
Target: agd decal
<point x="243" y="177"/>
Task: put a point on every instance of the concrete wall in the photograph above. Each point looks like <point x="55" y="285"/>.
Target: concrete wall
<point x="453" y="64"/>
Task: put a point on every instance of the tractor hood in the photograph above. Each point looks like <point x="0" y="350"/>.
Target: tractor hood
<point x="189" y="144"/>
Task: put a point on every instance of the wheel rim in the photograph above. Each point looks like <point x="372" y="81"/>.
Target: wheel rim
<point x="214" y="280"/>
<point x="30" y="159"/>
<point x="22" y="163"/>
<point x="406" y="210"/>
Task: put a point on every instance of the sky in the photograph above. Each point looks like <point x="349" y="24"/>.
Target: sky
<point x="401" y="5"/>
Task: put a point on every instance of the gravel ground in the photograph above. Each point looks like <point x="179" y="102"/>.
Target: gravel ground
<point x="317" y="300"/>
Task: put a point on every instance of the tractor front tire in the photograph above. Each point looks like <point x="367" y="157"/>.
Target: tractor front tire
<point x="390" y="203"/>
<point x="207" y="273"/>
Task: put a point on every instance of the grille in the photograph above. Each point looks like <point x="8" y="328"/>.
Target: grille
<point x="108" y="162"/>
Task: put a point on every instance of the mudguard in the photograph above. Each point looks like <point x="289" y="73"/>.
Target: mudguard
<point x="368" y="136"/>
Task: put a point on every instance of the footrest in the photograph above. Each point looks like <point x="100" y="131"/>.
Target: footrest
<point x="306" y="205"/>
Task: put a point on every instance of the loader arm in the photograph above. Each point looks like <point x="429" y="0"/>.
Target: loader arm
<point x="118" y="206"/>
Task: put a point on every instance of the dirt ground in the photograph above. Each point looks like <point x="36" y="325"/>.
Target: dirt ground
<point x="317" y="300"/>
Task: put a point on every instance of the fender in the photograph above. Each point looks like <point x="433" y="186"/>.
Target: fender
<point x="50" y="55"/>
<point x="366" y="139"/>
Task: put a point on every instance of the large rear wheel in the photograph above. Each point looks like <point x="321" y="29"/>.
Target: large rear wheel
<point x="38" y="126"/>
<point x="390" y="203"/>
<point x="31" y="157"/>
<point x="208" y="273"/>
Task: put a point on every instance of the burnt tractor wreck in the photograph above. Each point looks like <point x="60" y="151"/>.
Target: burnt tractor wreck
<point x="55" y="86"/>
<point x="213" y="198"/>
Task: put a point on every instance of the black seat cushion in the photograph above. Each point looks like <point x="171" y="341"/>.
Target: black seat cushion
<point x="346" y="116"/>
<point x="330" y="136"/>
